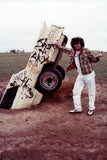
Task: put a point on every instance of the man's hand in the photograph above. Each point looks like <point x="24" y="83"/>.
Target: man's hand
<point x="100" y="55"/>
<point x="56" y="45"/>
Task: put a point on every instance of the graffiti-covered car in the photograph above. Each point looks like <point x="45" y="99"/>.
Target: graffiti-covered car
<point x="42" y="73"/>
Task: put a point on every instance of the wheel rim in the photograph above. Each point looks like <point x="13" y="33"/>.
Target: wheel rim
<point x="48" y="80"/>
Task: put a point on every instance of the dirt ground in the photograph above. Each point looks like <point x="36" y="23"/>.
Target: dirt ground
<point x="49" y="132"/>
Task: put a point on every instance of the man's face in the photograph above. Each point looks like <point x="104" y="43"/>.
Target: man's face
<point x="77" y="46"/>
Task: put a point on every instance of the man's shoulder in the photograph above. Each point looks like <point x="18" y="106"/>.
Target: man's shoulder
<point x="86" y="49"/>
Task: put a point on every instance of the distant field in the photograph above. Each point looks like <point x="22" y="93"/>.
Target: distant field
<point x="12" y="63"/>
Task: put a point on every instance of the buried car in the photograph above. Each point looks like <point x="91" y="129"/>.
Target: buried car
<point x="42" y="73"/>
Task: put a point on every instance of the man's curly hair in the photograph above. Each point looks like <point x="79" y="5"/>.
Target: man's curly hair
<point x="75" y="40"/>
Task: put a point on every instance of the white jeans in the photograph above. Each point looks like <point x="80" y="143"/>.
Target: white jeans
<point x="81" y="80"/>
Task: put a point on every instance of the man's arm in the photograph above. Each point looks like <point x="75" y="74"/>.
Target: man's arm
<point x="99" y="55"/>
<point x="95" y="59"/>
<point x="62" y="48"/>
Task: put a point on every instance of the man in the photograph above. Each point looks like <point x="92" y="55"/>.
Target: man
<point x="82" y="59"/>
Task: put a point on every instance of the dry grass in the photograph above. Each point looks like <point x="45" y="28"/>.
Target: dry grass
<point x="12" y="63"/>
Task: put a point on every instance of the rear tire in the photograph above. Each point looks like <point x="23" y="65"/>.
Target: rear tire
<point x="49" y="80"/>
<point x="61" y="70"/>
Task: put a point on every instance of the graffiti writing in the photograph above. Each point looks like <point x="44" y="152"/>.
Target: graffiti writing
<point x="22" y="80"/>
<point x="30" y="95"/>
<point x="33" y="68"/>
<point x="52" y="33"/>
<point x="40" y="50"/>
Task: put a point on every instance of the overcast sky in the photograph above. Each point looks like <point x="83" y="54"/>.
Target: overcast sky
<point x="21" y="21"/>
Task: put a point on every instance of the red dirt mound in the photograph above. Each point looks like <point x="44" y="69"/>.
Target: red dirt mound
<point x="48" y="132"/>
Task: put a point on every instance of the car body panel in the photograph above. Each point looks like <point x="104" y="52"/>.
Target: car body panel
<point x="44" y="52"/>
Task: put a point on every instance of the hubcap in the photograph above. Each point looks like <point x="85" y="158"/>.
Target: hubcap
<point x="49" y="80"/>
